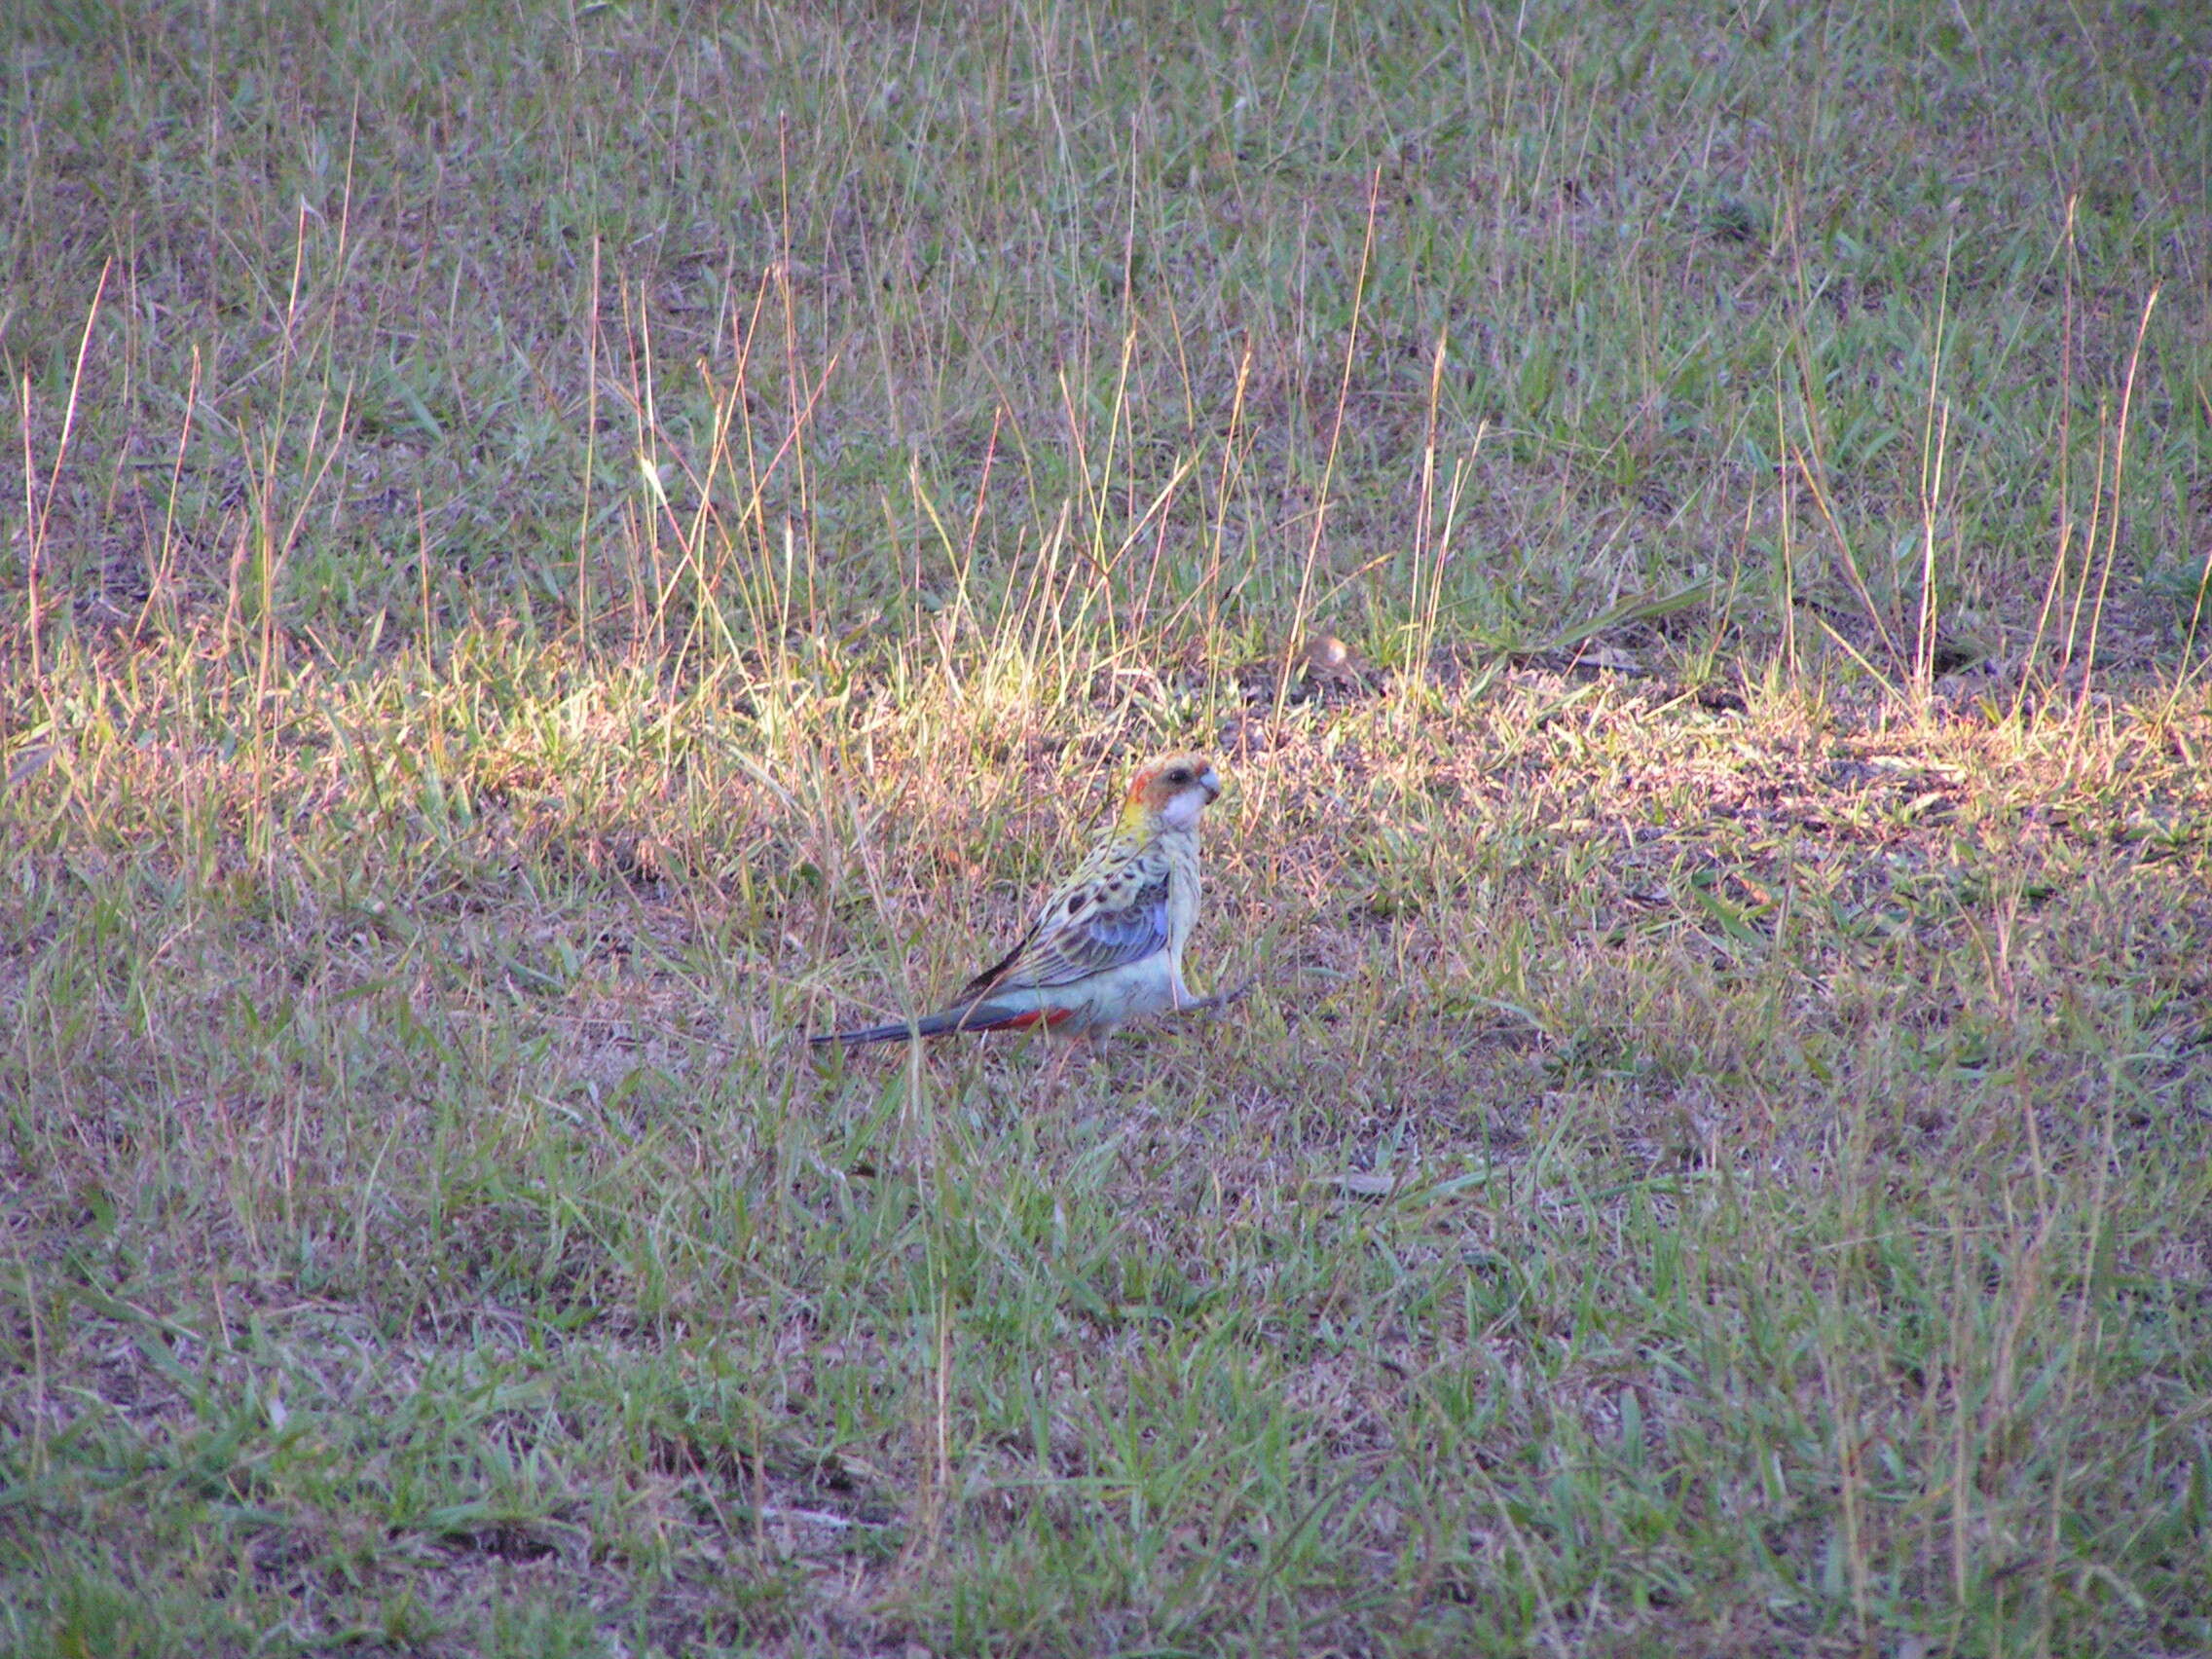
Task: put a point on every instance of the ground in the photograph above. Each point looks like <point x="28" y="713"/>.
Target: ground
<point x="560" y="551"/>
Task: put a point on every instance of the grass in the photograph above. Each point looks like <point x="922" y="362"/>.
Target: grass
<point x="558" y="549"/>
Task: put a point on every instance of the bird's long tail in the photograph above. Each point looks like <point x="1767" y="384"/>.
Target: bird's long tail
<point x="979" y="1016"/>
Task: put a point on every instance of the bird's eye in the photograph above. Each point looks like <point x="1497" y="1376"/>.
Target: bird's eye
<point x="1179" y="775"/>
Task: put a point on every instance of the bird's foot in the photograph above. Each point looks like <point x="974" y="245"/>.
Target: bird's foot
<point x="1220" y="999"/>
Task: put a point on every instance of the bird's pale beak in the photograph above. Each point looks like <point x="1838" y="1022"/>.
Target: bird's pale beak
<point x="1209" y="781"/>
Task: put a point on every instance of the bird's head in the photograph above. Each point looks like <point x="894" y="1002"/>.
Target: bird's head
<point x="1172" y="791"/>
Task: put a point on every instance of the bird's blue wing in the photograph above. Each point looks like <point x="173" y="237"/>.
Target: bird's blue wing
<point x="1094" y="928"/>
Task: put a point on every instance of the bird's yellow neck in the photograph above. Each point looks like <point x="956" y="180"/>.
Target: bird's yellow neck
<point x="1135" y="819"/>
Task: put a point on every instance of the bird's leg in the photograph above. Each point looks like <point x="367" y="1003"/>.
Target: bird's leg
<point x="1220" y="999"/>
